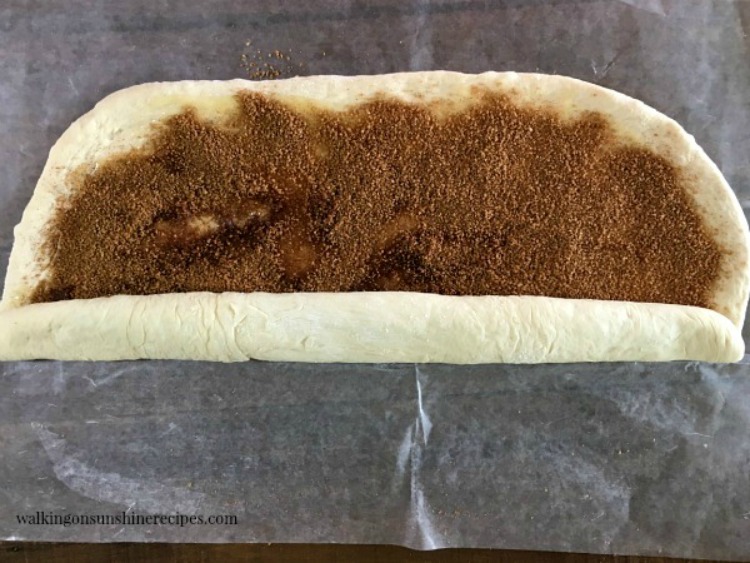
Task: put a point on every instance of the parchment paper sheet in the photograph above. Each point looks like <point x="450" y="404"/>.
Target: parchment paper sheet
<point x="623" y="458"/>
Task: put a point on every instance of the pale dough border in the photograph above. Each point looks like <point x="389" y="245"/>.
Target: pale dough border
<point x="124" y="120"/>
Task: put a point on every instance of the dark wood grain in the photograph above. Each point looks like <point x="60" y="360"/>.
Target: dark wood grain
<point x="28" y="552"/>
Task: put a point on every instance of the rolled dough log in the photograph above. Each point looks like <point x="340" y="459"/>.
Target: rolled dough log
<point x="366" y="327"/>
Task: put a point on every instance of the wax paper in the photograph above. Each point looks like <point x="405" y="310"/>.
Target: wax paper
<point x="605" y="458"/>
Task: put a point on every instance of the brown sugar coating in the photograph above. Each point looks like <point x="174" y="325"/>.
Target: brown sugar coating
<point x="494" y="199"/>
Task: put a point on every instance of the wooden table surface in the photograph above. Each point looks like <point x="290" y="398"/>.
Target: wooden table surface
<point x="16" y="552"/>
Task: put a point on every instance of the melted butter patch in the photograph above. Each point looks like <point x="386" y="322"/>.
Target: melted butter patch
<point x="298" y="257"/>
<point x="402" y="225"/>
<point x="184" y="231"/>
<point x="214" y="109"/>
<point x="244" y="213"/>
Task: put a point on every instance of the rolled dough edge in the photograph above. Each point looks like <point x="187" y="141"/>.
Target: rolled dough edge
<point x="365" y="327"/>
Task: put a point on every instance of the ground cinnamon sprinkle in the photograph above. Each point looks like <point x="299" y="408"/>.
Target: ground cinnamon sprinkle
<point x="493" y="200"/>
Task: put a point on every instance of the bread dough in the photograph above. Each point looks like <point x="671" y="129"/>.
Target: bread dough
<point x="387" y="326"/>
<point x="366" y="327"/>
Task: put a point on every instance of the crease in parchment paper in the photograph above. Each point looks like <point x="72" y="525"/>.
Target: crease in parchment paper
<point x="422" y="530"/>
<point x="146" y="495"/>
<point x="653" y="6"/>
<point x="420" y="45"/>
<point x="601" y="70"/>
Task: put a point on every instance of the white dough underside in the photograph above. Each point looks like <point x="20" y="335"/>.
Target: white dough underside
<point x="371" y="327"/>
